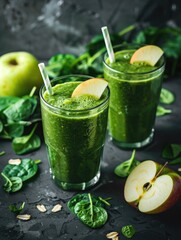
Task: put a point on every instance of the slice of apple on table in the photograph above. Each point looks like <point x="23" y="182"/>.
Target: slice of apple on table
<point x="93" y="86"/>
<point x="152" y="188"/>
<point x="149" y="54"/>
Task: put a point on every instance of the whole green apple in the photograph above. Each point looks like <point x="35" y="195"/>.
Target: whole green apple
<point x="19" y="73"/>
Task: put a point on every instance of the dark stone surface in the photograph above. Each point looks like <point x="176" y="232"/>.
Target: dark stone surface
<point x="64" y="225"/>
<point x="47" y="27"/>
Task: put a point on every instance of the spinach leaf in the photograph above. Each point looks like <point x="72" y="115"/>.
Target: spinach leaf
<point x="161" y="111"/>
<point x="14" y="130"/>
<point x="175" y="161"/>
<point x="90" y="214"/>
<point x="60" y="64"/>
<point x="15" y="208"/>
<point x="97" y="201"/>
<point x="171" y="151"/>
<point x="2" y="153"/>
<point x="25" y="170"/>
<point x="89" y="209"/>
<point x="166" y="96"/>
<point x="128" y="231"/>
<point x="12" y="184"/>
<point x="1" y="126"/>
<point x="125" y="168"/>
<point x="26" y="144"/>
<point x="22" y="109"/>
<point x="7" y="101"/>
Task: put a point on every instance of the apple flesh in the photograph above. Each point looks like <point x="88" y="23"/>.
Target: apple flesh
<point x="152" y="188"/>
<point x="93" y="86"/>
<point x="19" y="74"/>
<point x="149" y="54"/>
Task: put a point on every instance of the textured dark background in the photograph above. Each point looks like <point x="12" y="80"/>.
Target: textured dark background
<point x="46" y="27"/>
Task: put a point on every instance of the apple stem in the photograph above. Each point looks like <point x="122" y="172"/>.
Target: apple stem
<point x="148" y="185"/>
<point x="161" y="169"/>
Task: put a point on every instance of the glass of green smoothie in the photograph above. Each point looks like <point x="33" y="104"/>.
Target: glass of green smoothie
<point x="74" y="131"/>
<point x="135" y="91"/>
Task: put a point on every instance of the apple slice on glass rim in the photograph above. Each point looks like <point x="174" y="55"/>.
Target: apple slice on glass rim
<point x="152" y="188"/>
<point x="149" y="54"/>
<point x="94" y="87"/>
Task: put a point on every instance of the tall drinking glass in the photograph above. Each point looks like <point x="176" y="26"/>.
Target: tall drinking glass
<point x="74" y="137"/>
<point x="135" y="91"/>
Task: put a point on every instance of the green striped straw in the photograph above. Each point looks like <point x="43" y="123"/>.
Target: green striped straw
<point x="108" y="43"/>
<point x="45" y="77"/>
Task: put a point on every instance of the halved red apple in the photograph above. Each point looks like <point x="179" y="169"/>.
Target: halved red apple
<point x="149" y="54"/>
<point x="152" y="188"/>
<point x="93" y="86"/>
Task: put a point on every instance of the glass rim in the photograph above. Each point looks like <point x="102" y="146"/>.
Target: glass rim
<point x="71" y="110"/>
<point x="127" y="73"/>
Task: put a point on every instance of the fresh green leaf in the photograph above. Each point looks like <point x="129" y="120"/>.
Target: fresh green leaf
<point x="166" y="96"/>
<point x="128" y="231"/>
<point x="161" y="111"/>
<point x="60" y="64"/>
<point x="97" y="201"/>
<point x="14" y="130"/>
<point x="175" y="161"/>
<point x="2" y="153"/>
<point x="171" y="151"/>
<point x="26" y="144"/>
<point x="89" y="209"/>
<point x="125" y="168"/>
<point x="15" y="208"/>
<point x="1" y="126"/>
<point x="22" y="109"/>
<point x="12" y="184"/>
<point x="90" y="214"/>
<point x="25" y="170"/>
<point x="7" y="101"/>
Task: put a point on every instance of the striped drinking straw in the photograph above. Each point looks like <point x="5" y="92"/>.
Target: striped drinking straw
<point x="45" y="78"/>
<point x="108" y="44"/>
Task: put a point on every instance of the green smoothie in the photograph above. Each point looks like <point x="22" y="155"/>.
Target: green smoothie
<point x="74" y="131"/>
<point x="135" y="91"/>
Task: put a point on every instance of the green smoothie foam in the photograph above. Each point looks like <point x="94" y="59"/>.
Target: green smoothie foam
<point x="74" y="131"/>
<point x="135" y="90"/>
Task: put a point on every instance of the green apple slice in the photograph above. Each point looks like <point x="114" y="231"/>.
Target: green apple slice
<point x="151" y="192"/>
<point x="149" y="54"/>
<point x="93" y="86"/>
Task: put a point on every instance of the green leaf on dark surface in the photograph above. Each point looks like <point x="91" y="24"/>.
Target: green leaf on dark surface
<point x="171" y="151"/>
<point x="176" y="161"/>
<point x="90" y="214"/>
<point x="26" y="144"/>
<point x="2" y="153"/>
<point x="25" y="170"/>
<point x="97" y="201"/>
<point x="89" y="209"/>
<point x="16" y="208"/>
<point x="22" y="109"/>
<point x="166" y="96"/>
<point x="60" y="64"/>
<point x="161" y="111"/>
<point x="128" y="231"/>
<point x="12" y="184"/>
<point x="7" y="101"/>
<point x="1" y="126"/>
<point x="14" y="130"/>
<point x="125" y="168"/>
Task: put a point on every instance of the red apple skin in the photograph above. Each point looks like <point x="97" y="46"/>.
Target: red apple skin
<point x="174" y="197"/>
